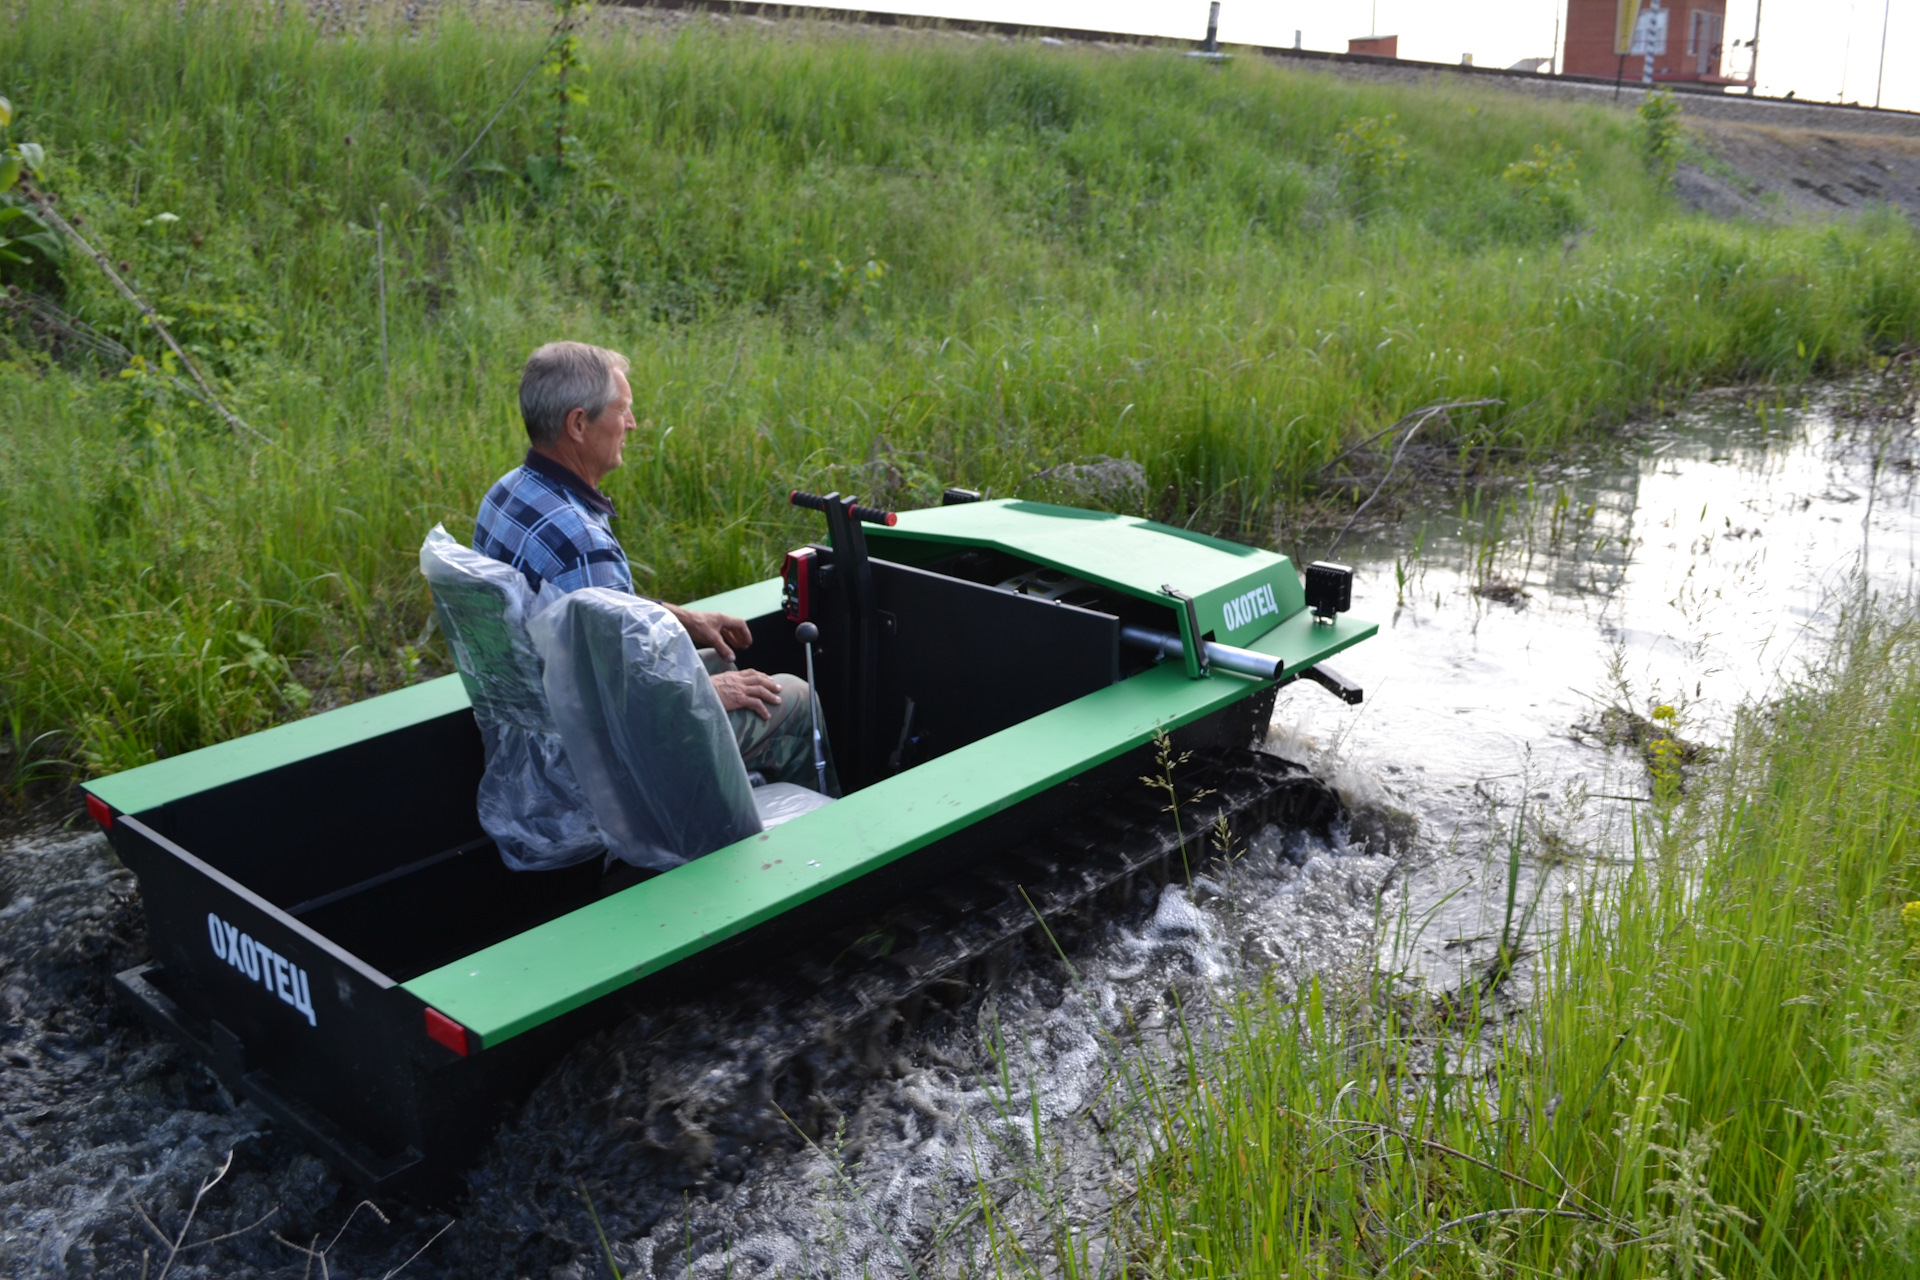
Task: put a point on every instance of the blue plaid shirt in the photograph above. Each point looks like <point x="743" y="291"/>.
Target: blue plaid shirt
<point x="552" y="526"/>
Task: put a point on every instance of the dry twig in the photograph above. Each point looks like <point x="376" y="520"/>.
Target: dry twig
<point x="1419" y="418"/>
<point x="177" y="1244"/>
<point x="319" y="1255"/>
<point x="1490" y="1214"/>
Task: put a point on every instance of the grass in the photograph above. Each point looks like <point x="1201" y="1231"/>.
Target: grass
<point x="1717" y="1077"/>
<point x="871" y="264"/>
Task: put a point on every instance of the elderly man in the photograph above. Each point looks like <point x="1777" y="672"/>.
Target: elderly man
<point x="548" y="519"/>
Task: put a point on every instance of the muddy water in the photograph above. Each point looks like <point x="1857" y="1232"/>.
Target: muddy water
<point x="1691" y="566"/>
<point x="1695" y="568"/>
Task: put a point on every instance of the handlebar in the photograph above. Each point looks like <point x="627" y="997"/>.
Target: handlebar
<point x="814" y="502"/>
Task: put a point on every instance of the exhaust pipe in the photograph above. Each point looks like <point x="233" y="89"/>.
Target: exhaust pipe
<point x="1244" y="662"/>
<point x="1241" y="661"/>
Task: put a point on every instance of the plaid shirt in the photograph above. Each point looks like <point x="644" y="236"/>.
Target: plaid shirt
<point x="552" y="526"/>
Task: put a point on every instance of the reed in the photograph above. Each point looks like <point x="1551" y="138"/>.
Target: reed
<point x="1715" y="1080"/>
<point x="839" y="262"/>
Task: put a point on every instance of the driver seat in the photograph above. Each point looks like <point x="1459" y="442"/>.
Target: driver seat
<point x="646" y="733"/>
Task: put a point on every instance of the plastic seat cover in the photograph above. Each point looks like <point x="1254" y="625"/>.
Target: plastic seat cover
<point x="530" y="800"/>
<point x="644" y="728"/>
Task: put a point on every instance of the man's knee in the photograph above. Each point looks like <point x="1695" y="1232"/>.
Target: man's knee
<point x="795" y="701"/>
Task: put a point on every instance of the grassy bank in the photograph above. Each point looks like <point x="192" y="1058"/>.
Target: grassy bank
<point x="1718" y="1078"/>
<point x="868" y="264"/>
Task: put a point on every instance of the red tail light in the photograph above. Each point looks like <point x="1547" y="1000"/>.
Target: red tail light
<point x="101" y="813"/>
<point x="444" y="1030"/>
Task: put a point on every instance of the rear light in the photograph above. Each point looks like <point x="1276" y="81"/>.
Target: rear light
<point x="444" y="1030"/>
<point x="101" y="813"/>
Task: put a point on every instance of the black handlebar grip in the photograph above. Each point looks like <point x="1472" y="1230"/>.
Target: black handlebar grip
<point x="814" y="502"/>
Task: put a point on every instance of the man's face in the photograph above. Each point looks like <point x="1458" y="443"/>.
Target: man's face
<point x="605" y="436"/>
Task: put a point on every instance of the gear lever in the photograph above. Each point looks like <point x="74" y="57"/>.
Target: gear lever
<point x="806" y="633"/>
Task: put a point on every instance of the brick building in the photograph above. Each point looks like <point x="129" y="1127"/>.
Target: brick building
<point x="1599" y="33"/>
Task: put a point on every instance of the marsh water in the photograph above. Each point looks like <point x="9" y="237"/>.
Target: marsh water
<point x="1693" y="563"/>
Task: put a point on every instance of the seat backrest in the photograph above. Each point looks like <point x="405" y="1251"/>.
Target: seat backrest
<point x="528" y="798"/>
<point x="644" y="728"/>
<point x="482" y="606"/>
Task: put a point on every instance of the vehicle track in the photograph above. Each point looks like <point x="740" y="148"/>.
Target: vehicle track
<point x="955" y="930"/>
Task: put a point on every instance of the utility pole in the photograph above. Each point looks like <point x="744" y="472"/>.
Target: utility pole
<point x="380" y="265"/>
<point x="1753" y="47"/>
<point x="1881" y="83"/>
<point x="1646" y="67"/>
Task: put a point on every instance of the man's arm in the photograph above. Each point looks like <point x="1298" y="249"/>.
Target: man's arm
<point x="720" y="632"/>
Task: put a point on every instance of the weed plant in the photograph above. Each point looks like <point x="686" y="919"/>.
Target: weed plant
<point x="1718" y="1078"/>
<point x="872" y="264"/>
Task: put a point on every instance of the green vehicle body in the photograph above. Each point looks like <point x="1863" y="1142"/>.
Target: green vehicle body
<point x="586" y="957"/>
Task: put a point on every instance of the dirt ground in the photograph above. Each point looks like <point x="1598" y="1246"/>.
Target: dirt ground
<point x="1772" y="172"/>
<point x="1770" y="159"/>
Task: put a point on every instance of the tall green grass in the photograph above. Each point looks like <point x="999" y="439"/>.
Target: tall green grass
<point x="1212" y="270"/>
<point x="1718" y="1077"/>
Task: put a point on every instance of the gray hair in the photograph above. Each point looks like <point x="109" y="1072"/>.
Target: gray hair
<point x="561" y="377"/>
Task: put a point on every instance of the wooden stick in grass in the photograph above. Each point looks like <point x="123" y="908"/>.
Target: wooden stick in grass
<point x="45" y="209"/>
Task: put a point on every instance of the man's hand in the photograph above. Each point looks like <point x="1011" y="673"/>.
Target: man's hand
<point x="748" y="691"/>
<point x="717" y="631"/>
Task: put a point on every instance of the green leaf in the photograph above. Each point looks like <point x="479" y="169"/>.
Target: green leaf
<point x="33" y="155"/>
<point x="6" y="113"/>
<point x="51" y="246"/>
<point x="495" y="167"/>
<point x="9" y="172"/>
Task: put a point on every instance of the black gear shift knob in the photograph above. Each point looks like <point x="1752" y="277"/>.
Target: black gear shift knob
<point x="806" y="633"/>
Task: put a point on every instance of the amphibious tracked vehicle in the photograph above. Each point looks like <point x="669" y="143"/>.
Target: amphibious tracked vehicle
<point x="336" y="936"/>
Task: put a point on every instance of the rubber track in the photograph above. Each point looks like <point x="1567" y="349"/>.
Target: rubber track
<point x="943" y="932"/>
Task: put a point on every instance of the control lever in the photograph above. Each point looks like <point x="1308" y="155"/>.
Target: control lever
<point x="806" y="633"/>
<point x="814" y="502"/>
<point x="855" y="659"/>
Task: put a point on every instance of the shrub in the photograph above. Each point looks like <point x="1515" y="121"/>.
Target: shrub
<point x="1549" y="181"/>
<point x="1372" y="152"/>
<point x="1659" y="133"/>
